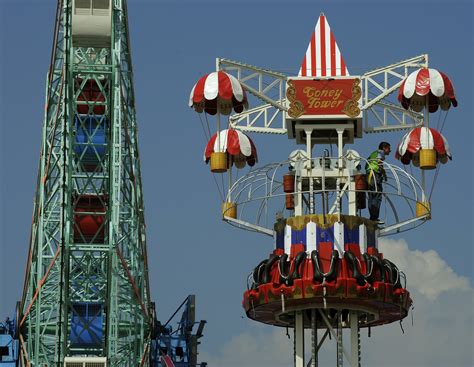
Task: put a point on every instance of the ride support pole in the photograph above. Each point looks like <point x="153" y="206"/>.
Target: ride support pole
<point x="309" y="167"/>
<point x="230" y="181"/>
<point x="340" y="350"/>
<point x="340" y="152"/>
<point x="427" y="119"/>
<point x="218" y="112"/>
<point x="299" y="339"/>
<point x="219" y="130"/>
<point x="314" y="339"/>
<point x="355" y="339"/>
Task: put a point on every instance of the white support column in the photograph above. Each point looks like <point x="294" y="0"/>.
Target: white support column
<point x="340" y="152"/>
<point x="298" y="194"/>
<point x="287" y="243"/>
<point x="339" y="238"/>
<point x="299" y="339"/>
<point x="340" y="146"/>
<point x="309" y="169"/>
<point x="352" y="204"/>
<point x="311" y="233"/>
<point x="219" y="131"/>
<point x="314" y="339"/>
<point x="340" y="346"/>
<point x="363" y="238"/>
<point x="355" y="339"/>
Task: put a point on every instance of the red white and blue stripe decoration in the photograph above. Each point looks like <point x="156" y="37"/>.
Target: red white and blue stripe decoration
<point x="425" y="83"/>
<point x="323" y="57"/>
<point x="218" y="92"/>
<point x="235" y="143"/>
<point x="339" y="235"/>
<point x="422" y="138"/>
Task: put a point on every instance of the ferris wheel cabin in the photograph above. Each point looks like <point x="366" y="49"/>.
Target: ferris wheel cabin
<point x="91" y="23"/>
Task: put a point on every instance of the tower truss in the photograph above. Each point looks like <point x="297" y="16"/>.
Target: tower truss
<point x="380" y="113"/>
<point x="86" y="289"/>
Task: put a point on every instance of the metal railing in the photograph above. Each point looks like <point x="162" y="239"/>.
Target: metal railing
<point x="260" y="198"/>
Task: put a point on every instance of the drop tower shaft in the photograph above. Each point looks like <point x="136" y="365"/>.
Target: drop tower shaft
<point x="332" y="322"/>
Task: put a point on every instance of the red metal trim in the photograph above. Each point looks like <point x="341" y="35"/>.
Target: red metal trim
<point x="132" y="281"/>
<point x="145" y="353"/>
<point x="40" y="285"/>
<point x="322" y="41"/>
<point x="333" y="53"/>
<point x="313" y="55"/>
<point x="22" y="342"/>
<point x="43" y="180"/>
<point x="166" y="359"/>
<point x="303" y="66"/>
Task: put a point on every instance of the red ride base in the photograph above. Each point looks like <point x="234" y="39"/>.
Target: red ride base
<point x="275" y="302"/>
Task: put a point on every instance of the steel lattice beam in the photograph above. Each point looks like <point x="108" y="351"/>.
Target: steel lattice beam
<point x="66" y="265"/>
<point x="380" y="110"/>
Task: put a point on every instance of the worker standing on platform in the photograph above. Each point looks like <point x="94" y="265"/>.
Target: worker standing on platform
<point x="375" y="176"/>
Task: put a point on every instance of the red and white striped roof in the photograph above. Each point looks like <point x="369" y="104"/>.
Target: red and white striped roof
<point x="422" y="138"/>
<point x="218" y="92"/>
<point x="427" y="82"/>
<point x="235" y="143"/>
<point x="323" y="57"/>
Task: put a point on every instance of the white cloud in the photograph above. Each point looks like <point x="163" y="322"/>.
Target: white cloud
<point x="442" y="334"/>
<point x="259" y="347"/>
<point x="426" y="271"/>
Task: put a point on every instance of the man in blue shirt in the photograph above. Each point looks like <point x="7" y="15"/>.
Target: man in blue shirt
<point x="375" y="176"/>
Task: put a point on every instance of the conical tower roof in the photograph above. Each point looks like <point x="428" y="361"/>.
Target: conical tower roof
<point x="323" y="57"/>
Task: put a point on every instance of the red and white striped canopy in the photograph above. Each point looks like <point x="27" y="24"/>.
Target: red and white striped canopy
<point x="323" y="57"/>
<point x="427" y="82"/>
<point x="218" y="92"/>
<point x="239" y="146"/>
<point x="422" y="138"/>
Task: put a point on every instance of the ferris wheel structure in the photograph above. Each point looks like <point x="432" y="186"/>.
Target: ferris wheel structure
<point x="86" y="296"/>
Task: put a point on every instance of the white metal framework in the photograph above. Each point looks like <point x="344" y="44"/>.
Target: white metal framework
<point x="380" y="112"/>
<point x="260" y="192"/>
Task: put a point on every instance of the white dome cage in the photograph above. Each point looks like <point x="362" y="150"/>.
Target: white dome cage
<point x="322" y="190"/>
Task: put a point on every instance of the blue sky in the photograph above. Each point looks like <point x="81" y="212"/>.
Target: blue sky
<point x="174" y="43"/>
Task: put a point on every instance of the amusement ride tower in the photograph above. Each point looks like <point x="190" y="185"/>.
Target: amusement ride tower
<point x="326" y="272"/>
